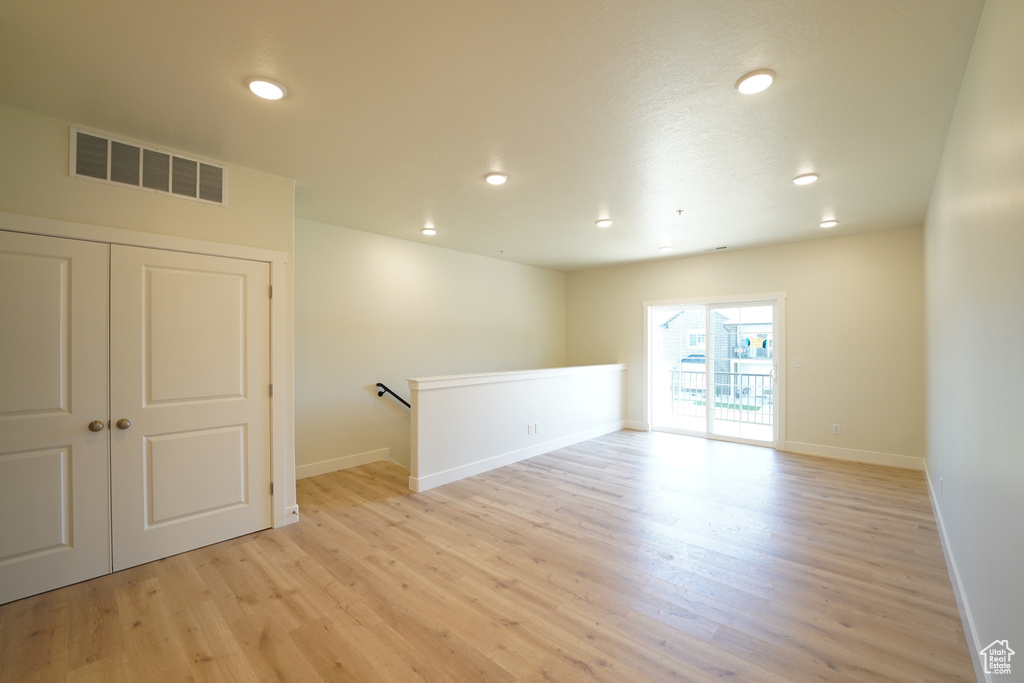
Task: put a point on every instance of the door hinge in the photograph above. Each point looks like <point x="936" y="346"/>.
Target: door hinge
<point x="271" y="488"/>
<point x="271" y="291"/>
<point x="271" y="391"/>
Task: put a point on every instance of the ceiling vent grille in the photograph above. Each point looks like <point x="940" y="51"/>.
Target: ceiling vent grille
<point x="97" y="157"/>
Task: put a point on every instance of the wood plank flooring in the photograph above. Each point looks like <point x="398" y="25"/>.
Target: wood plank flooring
<point x="631" y="557"/>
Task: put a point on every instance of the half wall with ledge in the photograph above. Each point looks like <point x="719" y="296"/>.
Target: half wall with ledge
<point x="464" y="425"/>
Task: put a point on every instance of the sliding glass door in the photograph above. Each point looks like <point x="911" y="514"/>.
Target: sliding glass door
<point x="712" y="369"/>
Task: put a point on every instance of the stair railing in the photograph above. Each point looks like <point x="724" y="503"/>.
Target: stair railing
<point x="385" y="390"/>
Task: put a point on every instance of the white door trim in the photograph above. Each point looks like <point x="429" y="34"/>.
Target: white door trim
<point x="281" y="355"/>
<point x="714" y="300"/>
<point x="13" y="222"/>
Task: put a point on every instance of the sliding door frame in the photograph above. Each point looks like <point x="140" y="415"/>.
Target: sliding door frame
<point x="778" y="299"/>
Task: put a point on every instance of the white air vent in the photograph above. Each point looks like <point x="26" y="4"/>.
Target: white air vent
<point x="98" y="157"/>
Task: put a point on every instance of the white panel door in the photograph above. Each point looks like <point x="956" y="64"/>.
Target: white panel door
<point x="54" y="496"/>
<point x="190" y="372"/>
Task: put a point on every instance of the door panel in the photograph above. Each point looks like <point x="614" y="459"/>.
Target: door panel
<point x="54" y="495"/>
<point x="190" y="370"/>
<point x="678" y="378"/>
<point x="741" y="358"/>
<point x="37" y="349"/>
<point x="35" y="480"/>
<point x="174" y="494"/>
<point x="211" y="306"/>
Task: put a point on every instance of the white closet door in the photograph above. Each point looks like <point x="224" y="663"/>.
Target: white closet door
<point x="54" y="496"/>
<point x="190" y="371"/>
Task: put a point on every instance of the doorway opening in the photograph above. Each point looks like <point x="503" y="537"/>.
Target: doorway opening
<point x="713" y="368"/>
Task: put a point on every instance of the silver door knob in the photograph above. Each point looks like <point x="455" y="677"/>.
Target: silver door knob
<point x="124" y="423"/>
<point x="95" y="426"/>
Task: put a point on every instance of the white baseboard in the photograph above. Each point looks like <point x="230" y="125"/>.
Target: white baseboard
<point x="958" y="587"/>
<point x="342" y="463"/>
<point x="291" y="514"/>
<point x="419" y="484"/>
<point x="635" y="425"/>
<point x="906" y="462"/>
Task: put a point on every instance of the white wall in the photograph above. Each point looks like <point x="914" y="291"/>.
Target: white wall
<point x="377" y="309"/>
<point x="34" y="181"/>
<point x="974" y="238"/>
<point x="854" y="313"/>
<point x="467" y="424"/>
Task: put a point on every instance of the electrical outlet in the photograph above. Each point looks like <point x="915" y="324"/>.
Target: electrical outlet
<point x="529" y="429"/>
<point x="536" y="428"/>
<point x="835" y="430"/>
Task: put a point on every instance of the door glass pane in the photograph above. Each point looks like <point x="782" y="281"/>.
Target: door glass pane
<point x="678" y="348"/>
<point x="741" y="348"/>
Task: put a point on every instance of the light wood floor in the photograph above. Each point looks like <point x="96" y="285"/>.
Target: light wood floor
<point x="631" y="557"/>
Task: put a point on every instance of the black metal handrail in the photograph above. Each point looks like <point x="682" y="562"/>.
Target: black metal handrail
<point x="384" y="389"/>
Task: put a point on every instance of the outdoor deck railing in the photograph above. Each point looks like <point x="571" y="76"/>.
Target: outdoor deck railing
<point x="738" y="396"/>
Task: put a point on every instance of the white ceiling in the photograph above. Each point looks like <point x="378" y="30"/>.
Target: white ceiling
<point x="619" y="108"/>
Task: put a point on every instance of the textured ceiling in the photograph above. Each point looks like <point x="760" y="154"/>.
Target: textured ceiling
<point x="624" y="108"/>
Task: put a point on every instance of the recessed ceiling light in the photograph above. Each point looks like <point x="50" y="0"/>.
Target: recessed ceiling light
<point x="429" y="230"/>
<point x="604" y="223"/>
<point x="806" y="179"/>
<point x="268" y="90"/>
<point x="755" y="81"/>
<point x="829" y="223"/>
<point x="665" y="248"/>
<point x="496" y="178"/>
